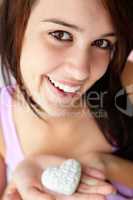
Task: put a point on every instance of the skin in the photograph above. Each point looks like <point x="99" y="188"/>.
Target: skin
<point x="127" y="79"/>
<point x="78" y="60"/>
<point x="109" y="164"/>
<point x="28" y="183"/>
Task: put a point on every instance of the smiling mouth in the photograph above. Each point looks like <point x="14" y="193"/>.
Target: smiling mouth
<point x="63" y="86"/>
<point x="61" y="91"/>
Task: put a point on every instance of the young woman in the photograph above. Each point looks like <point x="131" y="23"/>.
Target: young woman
<point x="66" y="58"/>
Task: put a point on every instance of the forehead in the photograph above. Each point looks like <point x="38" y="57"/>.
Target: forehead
<point x="83" y="13"/>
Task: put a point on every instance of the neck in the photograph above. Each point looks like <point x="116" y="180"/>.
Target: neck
<point x="74" y="116"/>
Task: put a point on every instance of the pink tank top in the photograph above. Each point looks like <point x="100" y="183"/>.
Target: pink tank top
<point x="14" y="152"/>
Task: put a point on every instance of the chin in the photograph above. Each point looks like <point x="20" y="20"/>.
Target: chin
<point x="58" y="112"/>
<point x="55" y="109"/>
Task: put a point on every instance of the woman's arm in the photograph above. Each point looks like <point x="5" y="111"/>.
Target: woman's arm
<point x="118" y="169"/>
<point x="114" y="168"/>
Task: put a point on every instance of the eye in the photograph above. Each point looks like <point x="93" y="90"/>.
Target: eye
<point x="61" y="36"/>
<point x="103" y="44"/>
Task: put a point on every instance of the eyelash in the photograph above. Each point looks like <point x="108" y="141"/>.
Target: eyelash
<point x="58" y="34"/>
<point x="108" y="46"/>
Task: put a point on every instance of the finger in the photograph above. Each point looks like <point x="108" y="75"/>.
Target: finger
<point x="91" y="185"/>
<point x="80" y="196"/>
<point x="96" y="173"/>
<point x="91" y="181"/>
<point x="11" y="188"/>
<point x="32" y="189"/>
<point x="35" y="193"/>
<point x="103" y="190"/>
<point x="12" y="196"/>
<point x="11" y="193"/>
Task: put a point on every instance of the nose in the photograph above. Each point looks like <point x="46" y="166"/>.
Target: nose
<point x="79" y="64"/>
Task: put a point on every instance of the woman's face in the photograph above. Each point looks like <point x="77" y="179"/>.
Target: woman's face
<point x="68" y="43"/>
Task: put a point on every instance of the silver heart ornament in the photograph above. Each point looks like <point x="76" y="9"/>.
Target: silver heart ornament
<point x="62" y="179"/>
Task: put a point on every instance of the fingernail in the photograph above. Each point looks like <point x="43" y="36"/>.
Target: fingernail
<point x="91" y="182"/>
<point x="96" y="173"/>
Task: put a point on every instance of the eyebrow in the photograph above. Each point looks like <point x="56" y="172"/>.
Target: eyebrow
<point x="63" y="23"/>
<point x="73" y="26"/>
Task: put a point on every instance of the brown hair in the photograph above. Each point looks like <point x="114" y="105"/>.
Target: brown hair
<point x="13" y="21"/>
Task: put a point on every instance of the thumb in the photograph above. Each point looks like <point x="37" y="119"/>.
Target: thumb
<point x="12" y="195"/>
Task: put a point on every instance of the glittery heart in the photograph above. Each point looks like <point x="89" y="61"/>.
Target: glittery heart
<point x="63" y="179"/>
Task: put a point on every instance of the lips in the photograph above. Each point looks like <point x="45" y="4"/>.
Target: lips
<point x="64" y="87"/>
<point x="58" y="91"/>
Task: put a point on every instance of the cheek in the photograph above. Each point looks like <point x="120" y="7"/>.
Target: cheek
<point x="99" y="71"/>
<point x="99" y="66"/>
<point x="37" y="58"/>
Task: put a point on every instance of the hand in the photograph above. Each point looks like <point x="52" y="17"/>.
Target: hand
<point x="102" y="162"/>
<point x="11" y="193"/>
<point x="95" y="160"/>
<point x="27" y="184"/>
<point x="33" y="193"/>
<point x="112" y="166"/>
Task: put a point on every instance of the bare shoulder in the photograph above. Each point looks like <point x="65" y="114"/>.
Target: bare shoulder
<point x="127" y="75"/>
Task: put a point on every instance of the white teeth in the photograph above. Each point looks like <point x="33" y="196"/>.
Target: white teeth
<point x="65" y="88"/>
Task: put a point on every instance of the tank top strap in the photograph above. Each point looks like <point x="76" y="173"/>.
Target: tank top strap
<point x="14" y="152"/>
